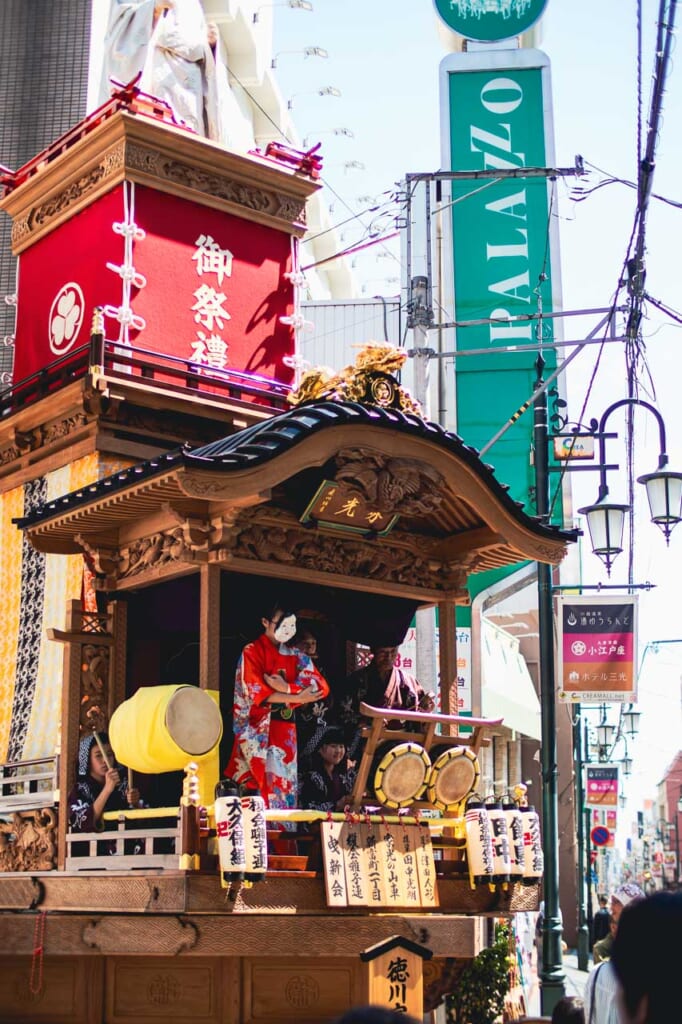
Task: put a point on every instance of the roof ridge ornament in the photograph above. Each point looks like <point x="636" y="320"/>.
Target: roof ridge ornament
<point x="370" y="380"/>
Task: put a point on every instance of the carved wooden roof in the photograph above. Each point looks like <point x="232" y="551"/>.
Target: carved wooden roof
<point x="242" y="500"/>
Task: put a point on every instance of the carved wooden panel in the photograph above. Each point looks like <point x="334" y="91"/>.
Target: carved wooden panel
<point x="150" y="990"/>
<point x="28" y="841"/>
<point x="290" y="990"/>
<point x="70" y="992"/>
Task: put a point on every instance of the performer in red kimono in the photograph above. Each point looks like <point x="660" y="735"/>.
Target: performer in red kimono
<point x="272" y="679"/>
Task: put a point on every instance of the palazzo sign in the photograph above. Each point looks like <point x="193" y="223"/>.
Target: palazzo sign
<point x="497" y="118"/>
<point x="489" y="20"/>
<point x="597" y="642"/>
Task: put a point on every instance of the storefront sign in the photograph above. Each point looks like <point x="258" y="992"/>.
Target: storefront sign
<point x="489" y="20"/>
<point x="601" y="786"/>
<point x="597" y="641"/>
<point x="497" y="112"/>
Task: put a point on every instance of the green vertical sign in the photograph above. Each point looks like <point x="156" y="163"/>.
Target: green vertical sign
<point x="501" y="257"/>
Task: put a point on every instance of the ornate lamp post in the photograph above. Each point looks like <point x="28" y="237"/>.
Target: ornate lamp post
<point x="605" y="519"/>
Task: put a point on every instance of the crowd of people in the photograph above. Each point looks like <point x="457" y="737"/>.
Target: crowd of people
<point x="636" y="954"/>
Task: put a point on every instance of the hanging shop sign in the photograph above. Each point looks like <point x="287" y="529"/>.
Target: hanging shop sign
<point x="490" y="20"/>
<point x="601" y="786"/>
<point x="497" y="116"/>
<point x="377" y="865"/>
<point x="597" y="641"/>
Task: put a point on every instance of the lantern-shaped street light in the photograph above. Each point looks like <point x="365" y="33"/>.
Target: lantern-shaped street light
<point x="631" y="721"/>
<point x="605" y="519"/>
<point x="605" y="733"/>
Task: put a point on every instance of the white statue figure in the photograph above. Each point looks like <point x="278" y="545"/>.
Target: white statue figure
<point x="168" y="41"/>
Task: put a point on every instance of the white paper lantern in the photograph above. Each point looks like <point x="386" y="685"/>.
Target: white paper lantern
<point x="255" y="837"/>
<point x="479" y="843"/>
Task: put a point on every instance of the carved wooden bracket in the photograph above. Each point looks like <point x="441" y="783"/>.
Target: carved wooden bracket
<point x="29" y="841"/>
<point x="405" y="487"/>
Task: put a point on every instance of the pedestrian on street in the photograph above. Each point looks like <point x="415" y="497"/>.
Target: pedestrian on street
<point x="601" y="990"/>
<point x="646" y="959"/>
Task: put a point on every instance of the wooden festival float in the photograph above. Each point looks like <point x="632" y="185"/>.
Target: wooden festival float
<point x="159" y="484"/>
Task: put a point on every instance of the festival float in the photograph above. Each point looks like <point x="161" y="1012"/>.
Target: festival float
<point x="163" y="474"/>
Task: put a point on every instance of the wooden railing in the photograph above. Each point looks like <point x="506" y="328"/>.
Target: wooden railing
<point x="27" y="785"/>
<point x="128" y="363"/>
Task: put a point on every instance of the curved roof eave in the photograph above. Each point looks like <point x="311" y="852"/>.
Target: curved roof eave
<point x="255" y="449"/>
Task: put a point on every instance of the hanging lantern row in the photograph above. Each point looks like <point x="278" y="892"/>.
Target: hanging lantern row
<point x="503" y="843"/>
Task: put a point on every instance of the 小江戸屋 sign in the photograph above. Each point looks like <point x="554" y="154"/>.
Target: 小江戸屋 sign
<point x="597" y="642"/>
<point x="490" y="20"/>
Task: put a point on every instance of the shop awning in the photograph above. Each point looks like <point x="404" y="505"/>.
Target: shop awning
<point x="506" y="686"/>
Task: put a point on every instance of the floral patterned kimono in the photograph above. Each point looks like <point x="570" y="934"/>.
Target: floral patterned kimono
<point x="264" y="750"/>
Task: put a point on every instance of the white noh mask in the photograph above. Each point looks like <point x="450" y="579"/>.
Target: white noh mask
<point x="286" y="629"/>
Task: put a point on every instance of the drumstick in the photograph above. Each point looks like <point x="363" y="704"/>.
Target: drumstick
<point x="102" y="750"/>
<point x="130" y="785"/>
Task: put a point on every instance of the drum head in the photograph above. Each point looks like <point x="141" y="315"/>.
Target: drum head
<point x="454" y="774"/>
<point x="400" y="775"/>
<point x="193" y="720"/>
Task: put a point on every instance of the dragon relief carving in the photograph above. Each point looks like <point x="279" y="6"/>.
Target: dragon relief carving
<point x="217" y="185"/>
<point x="9" y="454"/>
<point x="94" y="687"/>
<point x="70" y="195"/>
<point x="29" y="841"/>
<point x="397" y="486"/>
<point x="273" y="538"/>
<point x="291" y="208"/>
<point x="186" y="542"/>
<point x="62" y="428"/>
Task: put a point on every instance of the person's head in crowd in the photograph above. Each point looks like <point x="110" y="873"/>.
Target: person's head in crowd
<point x="279" y="623"/>
<point x="374" y="1015"/>
<point x="603" y="902"/>
<point x="306" y="641"/>
<point x="330" y="748"/>
<point x="91" y="761"/>
<point x="569" y="1010"/>
<point x="622" y="897"/>
<point x="646" y="959"/>
<point x="384" y="657"/>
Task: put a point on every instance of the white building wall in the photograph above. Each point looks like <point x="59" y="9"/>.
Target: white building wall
<point x="258" y="115"/>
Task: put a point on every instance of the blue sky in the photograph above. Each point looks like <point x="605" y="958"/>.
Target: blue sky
<point x="384" y="57"/>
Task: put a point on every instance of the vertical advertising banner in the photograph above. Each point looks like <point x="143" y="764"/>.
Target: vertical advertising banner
<point x="497" y="117"/>
<point x="597" y="643"/>
<point x="601" y="786"/>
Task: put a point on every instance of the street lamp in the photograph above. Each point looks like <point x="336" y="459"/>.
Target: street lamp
<point x="552" y="976"/>
<point x="295" y="5"/>
<point x="326" y="90"/>
<point x="605" y="519"/>
<point x="631" y="721"/>
<point x="307" y="51"/>
<point x="328" y="131"/>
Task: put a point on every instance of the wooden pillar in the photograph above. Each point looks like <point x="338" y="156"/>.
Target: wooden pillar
<point x="448" y="658"/>
<point x="118" y="613"/>
<point x="70" y="726"/>
<point x="209" y="627"/>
